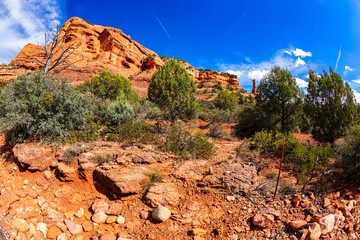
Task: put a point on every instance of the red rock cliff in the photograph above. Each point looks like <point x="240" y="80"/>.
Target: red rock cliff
<point x="107" y="48"/>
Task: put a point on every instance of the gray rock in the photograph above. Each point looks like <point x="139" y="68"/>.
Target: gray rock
<point x="161" y="213"/>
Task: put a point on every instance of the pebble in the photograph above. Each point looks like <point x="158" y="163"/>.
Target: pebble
<point x="161" y="213"/>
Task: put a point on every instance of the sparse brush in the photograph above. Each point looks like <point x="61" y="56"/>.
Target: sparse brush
<point x="153" y="177"/>
<point x="217" y="131"/>
<point x="107" y="158"/>
<point x="71" y="152"/>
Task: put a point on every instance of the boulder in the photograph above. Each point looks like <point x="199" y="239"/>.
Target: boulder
<point x="165" y="194"/>
<point x="87" y="166"/>
<point x="238" y="177"/>
<point x="161" y="213"/>
<point x="263" y="220"/>
<point x="66" y="173"/>
<point x="33" y="157"/>
<point x="115" y="209"/>
<point x="126" y="180"/>
<point x="145" y="158"/>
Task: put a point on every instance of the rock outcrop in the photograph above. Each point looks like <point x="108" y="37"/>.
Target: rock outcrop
<point x="106" y="48"/>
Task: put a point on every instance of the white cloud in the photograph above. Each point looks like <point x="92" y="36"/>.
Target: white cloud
<point x="299" y="62"/>
<point x="281" y="58"/>
<point x="238" y="73"/>
<point x="357" y="96"/>
<point x="356" y="81"/>
<point x="348" y="68"/>
<point x="25" y="21"/>
<point x="301" y="83"/>
<point x="298" y="53"/>
<point x="257" y="74"/>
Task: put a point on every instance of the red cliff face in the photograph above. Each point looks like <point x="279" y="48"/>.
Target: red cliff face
<point x="107" y="48"/>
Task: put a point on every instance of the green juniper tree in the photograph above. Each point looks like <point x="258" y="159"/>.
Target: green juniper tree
<point x="279" y="98"/>
<point x="330" y="105"/>
<point x="173" y="90"/>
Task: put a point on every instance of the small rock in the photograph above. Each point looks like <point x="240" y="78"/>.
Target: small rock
<point x="327" y="223"/>
<point x="26" y="182"/>
<point x="88" y="226"/>
<point x="326" y="202"/>
<point x="66" y="173"/>
<point x="198" y="231"/>
<point x="120" y="220"/>
<point x="53" y="232"/>
<point x="111" y="219"/>
<point x="314" y="231"/>
<point x="41" y="227"/>
<point x="20" y="224"/>
<point x="107" y="237"/>
<point x="47" y="174"/>
<point x="73" y="227"/>
<point x="99" y="217"/>
<point x="99" y="205"/>
<point x="79" y="213"/>
<point x="115" y="209"/>
<point x="40" y="200"/>
<point x="160" y="213"/>
<point x="263" y="220"/>
<point x="296" y="199"/>
<point x="295" y="225"/>
<point x="63" y="236"/>
<point x="230" y="198"/>
<point x="55" y="216"/>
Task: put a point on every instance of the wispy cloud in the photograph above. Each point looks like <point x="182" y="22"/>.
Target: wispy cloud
<point x="286" y="58"/>
<point x="25" y="21"/>
<point x="348" y="68"/>
<point x="162" y="26"/>
<point x="237" y="22"/>
<point x="301" y="83"/>
<point x="338" y="58"/>
<point x="298" y="53"/>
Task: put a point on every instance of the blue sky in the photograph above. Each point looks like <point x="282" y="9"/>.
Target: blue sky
<point x="244" y="37"/>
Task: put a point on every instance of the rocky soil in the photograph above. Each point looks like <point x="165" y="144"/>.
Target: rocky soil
<point x="103" y="190"/>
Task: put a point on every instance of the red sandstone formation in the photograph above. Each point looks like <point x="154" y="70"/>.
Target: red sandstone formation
<point x="107" y="48"/>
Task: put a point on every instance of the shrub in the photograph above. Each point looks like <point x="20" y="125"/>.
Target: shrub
<point x="251" y="120"/>
<point x="89" y="132"/>
<point x="104" y="158"/>
<point x="217" y="131"/>
<point x="133" y="132"/>
<point x="173" y="90"/>
<point x="71" y="152"/>
<point x="118" y="112"/>
<point x="37" y="106"/>
<point x="349" y="153"/>
<point x="304" y="158"/>
<point x="182" y="143"/>
<point x="147" y="109"/>
<point x="226" y="100"/>
<point x="109" y="86"/>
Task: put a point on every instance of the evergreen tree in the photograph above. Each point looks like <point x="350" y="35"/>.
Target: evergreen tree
<point x="330" y="106"/>
<point x="173" y="90"/>
<point x="226" y="100"/>
<point x="280" y="98"/>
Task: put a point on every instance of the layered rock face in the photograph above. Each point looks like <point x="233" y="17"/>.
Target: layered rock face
<point x="106" y="48"/>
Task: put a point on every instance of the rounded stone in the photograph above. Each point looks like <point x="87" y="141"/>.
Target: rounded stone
<point x="161" y="213"/>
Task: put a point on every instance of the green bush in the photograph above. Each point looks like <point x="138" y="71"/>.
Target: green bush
<point x="133" y="132"/>
<point x="37" y="106"/>
<point x="180" y="142"/>
<point x="118" y="112"/>
<point x="147" y="109"/>
<point x="302" y="156"/>
<point x="109" y="86"/>
<point x="349" y="153"/>
<point x="226" y="100"/>
<point x="89" y="132"/>
<point x="174" y="91"/>
<point x="217" y="131"/>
